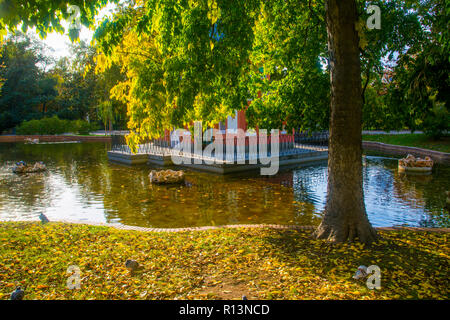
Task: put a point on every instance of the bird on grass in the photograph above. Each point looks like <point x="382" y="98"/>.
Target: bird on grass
<point x="360" y="273"/>
<point x="43" y="218"/>
<point x="17" y="294"/>
<point x="131" y="265"/>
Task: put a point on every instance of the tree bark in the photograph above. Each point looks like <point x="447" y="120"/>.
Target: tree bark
<point x="345" y="216"/>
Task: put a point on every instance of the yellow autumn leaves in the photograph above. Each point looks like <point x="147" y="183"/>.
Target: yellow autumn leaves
<point x="265" y="263"/>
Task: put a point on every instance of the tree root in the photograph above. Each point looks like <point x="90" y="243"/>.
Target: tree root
<point x="362" y="232"/>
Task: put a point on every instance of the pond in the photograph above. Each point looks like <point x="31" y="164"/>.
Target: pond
<point x="82" y="185"/>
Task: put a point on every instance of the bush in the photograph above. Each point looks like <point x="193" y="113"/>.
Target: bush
<point x="54" y="125"/>
<point x="6" y="121"/>
<point x="83" y="127"/>
<point x="436" y="124"/>
<point x="29" y="127"/>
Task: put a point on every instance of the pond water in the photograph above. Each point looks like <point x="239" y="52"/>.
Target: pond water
<point x="82" y="185"/>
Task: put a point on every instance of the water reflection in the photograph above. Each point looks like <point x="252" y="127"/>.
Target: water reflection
<point x="81" y="185"/>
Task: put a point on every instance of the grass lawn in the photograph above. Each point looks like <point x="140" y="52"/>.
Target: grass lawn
<point x="217" y="264"/>
<point x="412" y="140"/>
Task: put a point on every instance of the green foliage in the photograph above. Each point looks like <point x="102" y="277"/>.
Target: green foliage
<point x="179" y="71"/>
<point x="45" y="15"/>
<point x="44" y="126"/>
<point x="54" y="125"/>
<point x="36" y="87"/>
<point x="409" y="83"/>
<point x="437" y="122"/>
<point x="288" y="81"/>
<point x="106" y="112"/>
<point x="83" y="127"/>
<point x="400" y="31"/>
<point x="6" y="121"/>
<point x="188" y="61"/>
<point x="201" y="59"/>
<point x="28" y="89"/>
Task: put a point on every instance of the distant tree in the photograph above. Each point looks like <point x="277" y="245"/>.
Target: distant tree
<point x="421" y="85"/>
<point x="27" y="87"/>
<point x="81" y="89"/>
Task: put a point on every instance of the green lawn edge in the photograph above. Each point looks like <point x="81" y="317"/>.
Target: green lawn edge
<point x="411" y="140"/>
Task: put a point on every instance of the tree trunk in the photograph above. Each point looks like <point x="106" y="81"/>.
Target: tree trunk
<point x="345" y="214"/>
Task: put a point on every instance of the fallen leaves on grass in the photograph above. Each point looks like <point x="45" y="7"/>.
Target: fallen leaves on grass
<point x="267" y="263"/>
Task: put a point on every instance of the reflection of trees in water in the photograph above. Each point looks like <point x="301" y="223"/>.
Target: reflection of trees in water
<point x="27" y="189"/>
<point x="385" y="185"/>
<point x="414" y="189"/>
<point x="38" y="190"/>
<point x="307" y="194"/>
<point x="127" y="196"/>
<point x="378" y="181"/>
<point x="306" y="182"/>
<point x="284" y="178"/>
<point x="407" y="189"/>
<point x="425" y="191"/>
<point x="209" y="200"/>
<point x="436" y="218"/>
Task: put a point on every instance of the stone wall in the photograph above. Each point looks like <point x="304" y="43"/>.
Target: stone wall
<point x="439" y="157"/>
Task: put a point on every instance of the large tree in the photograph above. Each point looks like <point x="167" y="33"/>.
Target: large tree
<point x="208" y="43"/>
<point x="213" y="73"/>
<point x="345" y="213"/>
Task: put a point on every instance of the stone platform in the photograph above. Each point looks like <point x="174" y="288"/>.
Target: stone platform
<point x="127" y="158"/>
<point x="296" y="157"/>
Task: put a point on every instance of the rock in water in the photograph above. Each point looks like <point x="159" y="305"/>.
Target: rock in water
<point x="166" y="176"/>
<point x="23" y="167"/>
<point x="43" y="218"/>
<point x="20" y="167"/>
<point x="31" y="141"/>
<point x="39" y="166"/>
<point x="411" y="161"/>
<point x="131" y="265"/>
<point x="17" y="294"/>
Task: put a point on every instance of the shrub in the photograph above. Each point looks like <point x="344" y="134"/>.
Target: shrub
<point x="54" y="125"/>
<point x="29" y="127"/>
<point x="436" y="124"/>
<point x="6" y="121"/>
<point x="83" y="127"/>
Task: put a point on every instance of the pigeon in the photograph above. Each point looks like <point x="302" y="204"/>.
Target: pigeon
<point x="43" y="218"/>
<point x="17" y="294"/>
<point x="131" y="265"/>
<point x="360" y="273"/>
<point x="244" y="298"/>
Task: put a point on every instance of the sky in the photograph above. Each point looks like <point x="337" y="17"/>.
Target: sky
<point x="60" y="43"/>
